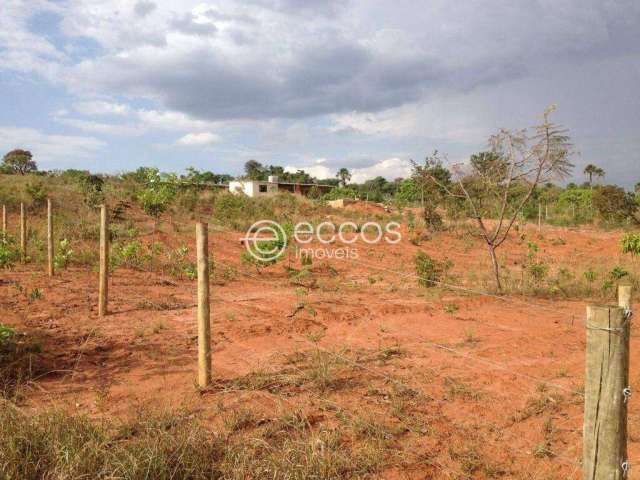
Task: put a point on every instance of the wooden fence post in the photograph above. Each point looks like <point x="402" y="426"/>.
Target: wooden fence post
<point x="4" y="220"/>
<point x="539" y="216"/>
<point x="23" y="233"/>
<point x="103" y="291"/>
<point x="204" y="325"/>
<point x="624" y="296"/>
<point x="606" y="392"/>
<point x="50" y="251"/>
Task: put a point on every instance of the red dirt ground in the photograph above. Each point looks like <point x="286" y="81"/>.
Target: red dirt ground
<point x="498" y="350"/>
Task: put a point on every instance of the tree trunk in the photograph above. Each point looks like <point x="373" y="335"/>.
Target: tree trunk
<point x="496" y="267"/>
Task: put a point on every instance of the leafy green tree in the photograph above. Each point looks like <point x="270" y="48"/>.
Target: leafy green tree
<point x="592" y="170"/>
<point x="344" y="175"/>
<point x="254" y="170"/>
<point x="433" y="180"/>
<point x="408" y="191"/>
<point x="158" y="192"/>
<point x="19" y="161"/>
<point x="197" y="176"/>
<point x="300" y="176"/>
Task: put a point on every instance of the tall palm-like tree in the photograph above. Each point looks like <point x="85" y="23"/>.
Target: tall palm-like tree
<point x="592" y="170"/>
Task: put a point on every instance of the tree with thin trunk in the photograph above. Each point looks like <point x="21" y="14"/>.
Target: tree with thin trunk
<point x="344" y="175"/>
<point x="521" y="161"/>
<point x="591" y="171"/>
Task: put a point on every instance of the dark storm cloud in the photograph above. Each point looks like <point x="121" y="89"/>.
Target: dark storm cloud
<point x="333" y="70"/>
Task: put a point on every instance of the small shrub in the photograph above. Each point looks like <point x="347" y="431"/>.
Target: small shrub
<point x="432" y="219"/>
<point x="430" y="271"/>
<point x="6" y="333"/>
<point x="9" y="252"/>
<point x="180" y="265"/>
<point x="35" y="294"/>
<point x="590" y="276"/>
<point x="63" y="254"/>
<point x="129" y="254"/>
<point x="158" y="192"/>
<point x="630" y="243"/>
<point x="36" y="192"/>
<point x="618" y="273"/>
<point x="91" y="187"/>
<point x="538" y="270"/>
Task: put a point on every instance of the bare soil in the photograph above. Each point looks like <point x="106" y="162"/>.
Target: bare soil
<point x="496" y="382"/>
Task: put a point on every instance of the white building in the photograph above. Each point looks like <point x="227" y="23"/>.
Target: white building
<point x="255" y="188"/>
<point x="259" y="188"/>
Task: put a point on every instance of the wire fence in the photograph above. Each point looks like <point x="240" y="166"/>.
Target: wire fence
<point x="475" y="362"/>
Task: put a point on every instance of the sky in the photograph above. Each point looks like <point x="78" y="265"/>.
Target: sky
<point x="110" y="85"/>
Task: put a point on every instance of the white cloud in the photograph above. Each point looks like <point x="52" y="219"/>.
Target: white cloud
<point x="138" y="122"/>
<point x="170" y="120"/>
<point x="101" y="107"/>
<point x="446" y="117"/>
<point x="50" y="150"/>
<point x="318" y="171"/>
<point x="101" y="127"/>
<point x="389" y="168"/>
<point x="199" y="139"/>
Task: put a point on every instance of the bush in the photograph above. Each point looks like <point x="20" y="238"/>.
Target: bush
<point x="429" y="270"/>
<point x="179" y="264"/>
<point x="614" y="204"/>
<point x="432" y="219"/>
<point x="37" y="193"/>
<point x="63" y="254"/>
<point x="9" y="252"/>
<point x="91" y="187"/>
<point x="158" y="191"/>
<point x="131" y="254"/>
<point x="630" y="243"/>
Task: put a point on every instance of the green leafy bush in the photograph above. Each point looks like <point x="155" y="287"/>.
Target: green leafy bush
<point x="91" y="187"/>
<point x="630" y="243"/>
<point x="6" y="333"/>
<point x="429" y="270"/>
<point x="179" y="264"/>
<point x="618" y="273"/>
<point x="63" y="254"/>
<point x="36" y="192"/>
<point x="158" y="191"/>
<point x="9" y="252"/>
<point x="538" y="270"/>
<point x="130" y="254"/>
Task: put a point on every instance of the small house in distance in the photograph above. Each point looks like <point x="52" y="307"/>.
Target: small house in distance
<point x="271" y="186"/>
